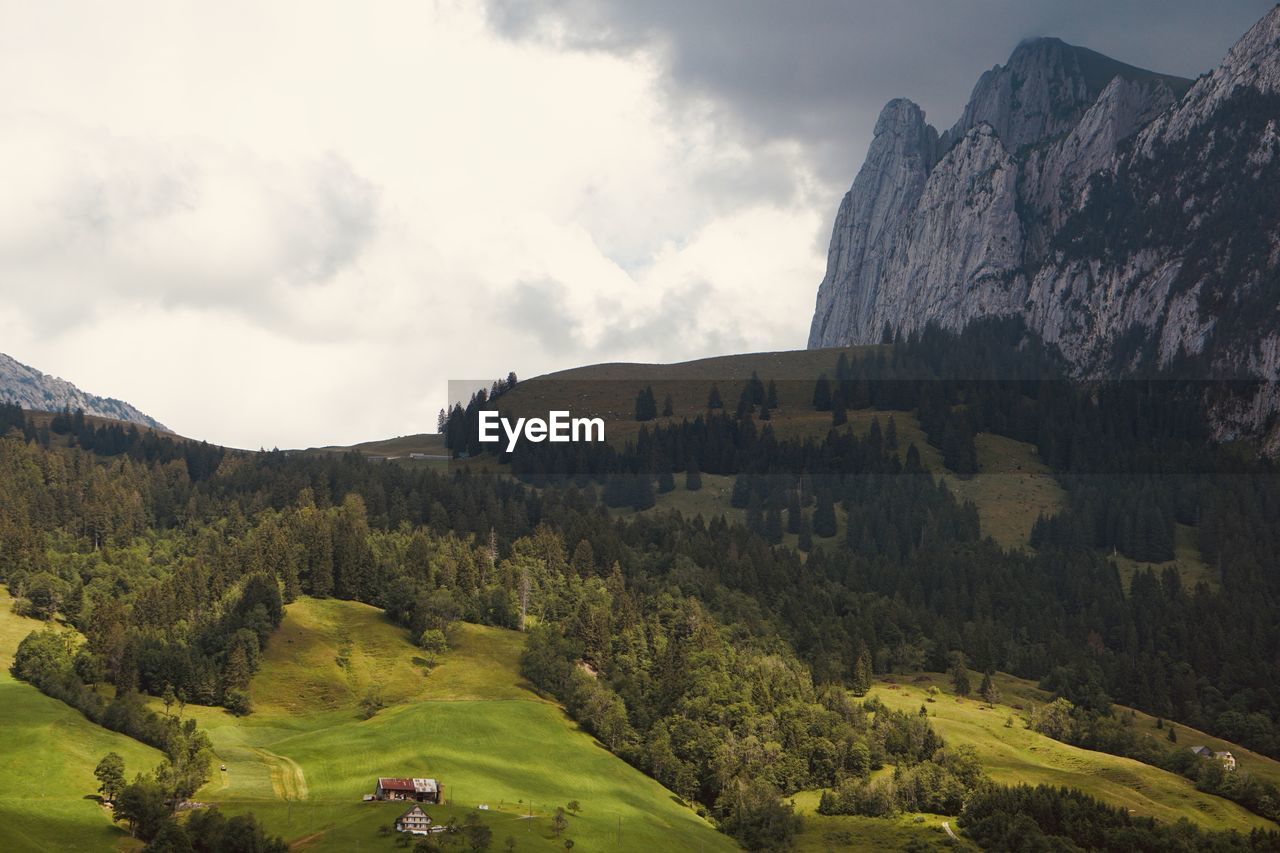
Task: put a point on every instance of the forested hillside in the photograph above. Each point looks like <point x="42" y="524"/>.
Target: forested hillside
<point x="725" y="666"/>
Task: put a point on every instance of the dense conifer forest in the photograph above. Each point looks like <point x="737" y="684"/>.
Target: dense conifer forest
<point x="726" y="666"/>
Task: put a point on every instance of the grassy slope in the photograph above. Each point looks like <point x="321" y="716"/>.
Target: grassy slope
<point x="47" y="755"/>
<point x="470" y="723"/>
<point x="851" y="832"/>
<point x="1011" y="489"/>
<point x="1015" y="754"/>
<point x="1187" y="560"/>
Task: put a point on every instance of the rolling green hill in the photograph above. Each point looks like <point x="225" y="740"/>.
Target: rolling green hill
<point x="304" y="758"/>
<point x="47" y="755"/>
<point x="1013" y="754"/>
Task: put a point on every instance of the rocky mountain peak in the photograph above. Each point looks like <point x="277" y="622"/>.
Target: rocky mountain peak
<point x="1044" y="90"/>
<point x="1129" y="217"/>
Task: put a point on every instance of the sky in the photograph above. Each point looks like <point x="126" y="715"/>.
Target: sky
<point x="292" y="224"/>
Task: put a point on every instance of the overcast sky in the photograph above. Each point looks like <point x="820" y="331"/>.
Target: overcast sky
<point x="291" y="224"/>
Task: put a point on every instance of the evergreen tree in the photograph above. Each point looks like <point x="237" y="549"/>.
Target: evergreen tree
<point x="838" y="415"/>
<point x="824" y="516"/>
<point x="668" y="407"/>
<point x="713" y="399"/>
<point x="860" y="683"/>
<point x="806" y="534"/>
<point x="642" y="493"/>
<point x="891" y="435"/>
<point x="822" y="394"/>
<point x="988" y="690"/>
<point x="666" y="480"/>
<point x="773" y="521"/>
<point x="646" y="404"/>
<point x="959" y="673"/>
<point x="794" y="512"/>
<point x="692" y="476"/>
<point x="771" y="396"/>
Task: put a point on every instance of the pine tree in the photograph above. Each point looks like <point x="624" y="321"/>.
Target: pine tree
<point x="822" y="394"/>
<point x="959" y="674"/>
<point x="773" y="521"/>
<point x="861" y="681"/>
<point x="806" y="534"/>
<point x="793" y="511"/>
<point x="824" y="516"/>
<point x="838" y="415"/>
<point x="891" y="435"/>
<point x="668" y="407"/>
<point x="713" y="399"/>
<point x="886" y="334"/>
<point x="692" y="476"/>
<point x="988" y="691"/>
<point x="666" y="480"/>
<point x="771" y="396"/>
<point x="646" y="404"/>
<point x="642" y="496"/>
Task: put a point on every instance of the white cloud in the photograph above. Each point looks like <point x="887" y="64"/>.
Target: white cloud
<point x="291" y="226"/>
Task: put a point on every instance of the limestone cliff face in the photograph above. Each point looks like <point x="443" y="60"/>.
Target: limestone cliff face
<point x="884" y="195"/>
<point x="1128" y="216"/>
<point x="38" y="391"/>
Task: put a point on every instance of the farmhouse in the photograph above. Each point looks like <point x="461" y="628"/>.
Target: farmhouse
<point x="419" y="790"/>
<point x="415" y="820"/>
<point x="1228" y="760"/>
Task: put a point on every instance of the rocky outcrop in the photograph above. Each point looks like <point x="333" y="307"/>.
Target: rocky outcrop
<point x="1130" y="217"/>
<point x="884" y="194"/>
<point x="32" y="389"/>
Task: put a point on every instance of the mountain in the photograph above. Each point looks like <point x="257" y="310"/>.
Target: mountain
<point x="1128" y="216"/>
<point x="32" y="389"/>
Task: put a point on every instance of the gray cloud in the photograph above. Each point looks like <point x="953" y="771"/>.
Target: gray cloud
<point x="817" y="72"/>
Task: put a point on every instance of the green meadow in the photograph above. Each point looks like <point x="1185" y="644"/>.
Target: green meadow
<point x="47" y="755"/>
<point x="305" y="757"/>
<point x="1012" y="753"/>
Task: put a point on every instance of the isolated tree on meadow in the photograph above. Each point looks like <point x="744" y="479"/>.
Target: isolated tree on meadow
<point x="861" y="681"/>
<point x="692" y="476"/>
<point x="713" y="399"/>
<point x="559" y="823"/>
<point x="959" y="673"/>
<point x="988" y="690"/>
<point x="110" y="776"/>
<point x="822" y="394"/>
<point x="574" y="807"/>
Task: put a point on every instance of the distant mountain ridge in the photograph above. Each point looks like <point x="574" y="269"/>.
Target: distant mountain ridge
<point x="1130" y="218"/>
<point x="32" y="389"/>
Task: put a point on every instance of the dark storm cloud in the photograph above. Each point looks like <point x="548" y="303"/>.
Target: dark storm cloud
<point x="819" y="71"/>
